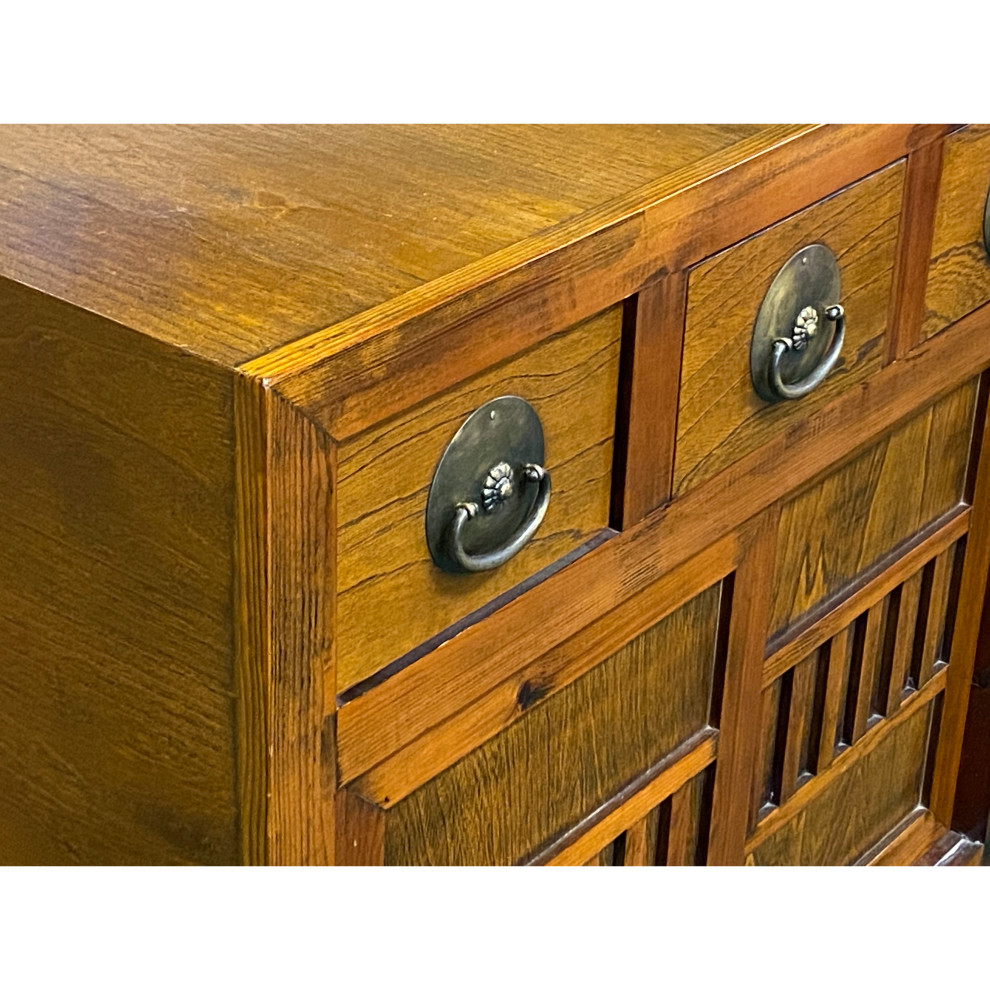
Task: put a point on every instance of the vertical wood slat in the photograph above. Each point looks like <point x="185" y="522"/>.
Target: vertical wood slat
<point x="917" y="224"/>
<point x="739" y="730"/>
<point x="907" y="621"/>
<point x="652" y="371"/>
<point x="762" y="786"/>
<point x="872" y="648"/>
<point x="641" y="841"/>
<point x="937" y="607"/>
<point x="839" y="653"/>
<point x="798" y="724"/>
<point x="685" y="808"/>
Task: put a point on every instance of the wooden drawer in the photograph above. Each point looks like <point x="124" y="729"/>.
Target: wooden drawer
<point x="959" y="271"/>
<point x="720" y="416"/>
<point x="529" y="785"/>
<point x="391" y="597"/>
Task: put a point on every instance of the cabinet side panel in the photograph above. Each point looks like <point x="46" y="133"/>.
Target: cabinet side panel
<point x="117" y="693"/>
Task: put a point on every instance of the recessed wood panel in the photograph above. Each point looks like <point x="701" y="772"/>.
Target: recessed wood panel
<point x="391" y="596"/>
<point x="859" y="806"/>
<point x="721" y="418"/>
<point x="556" y="765"/>
<point x="959" y="272"/>
<point x="857" y="514"/>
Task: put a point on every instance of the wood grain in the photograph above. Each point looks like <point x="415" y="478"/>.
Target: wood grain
<point x="802" y="696"/>
<point x="439" y="747"/>
<point x="635" y="801"/>
<point x="688" y="822"/>
<point x="721" y="417"/>
<point x="907" y="303"/>
<point x="959" y="271"/>
<point x="641" y="841"/>
<point x="556" y="765"/>
<point x="384" y="478"/>
<point x="741" y="699"/>
<point x="857" y="514"/>
<point x="119" y="728"/>
<point x="444" y="681"/>
<point x="859" y="806"/>
<point x="907" y="624"/>
<point x="936" y="635"/>
<point x="836" y="692"/>
<point x="653" y="381"/>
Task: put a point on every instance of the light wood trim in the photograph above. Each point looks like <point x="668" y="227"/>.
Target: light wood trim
<point x="938" y="603"/>
<point x="869" y="661"/>
<point x="397" y="718"/>
<point x="741" y="700"/>
<point x="907" y="841"/>
<point x="815" y="785"/>
<point x="637" y="842"/>
<point x="917" y="225"/>
<point x="870" y="588"/>
<point x="654" y="380"/>
<point x="358" y="372"/>
<point x="802" y="699"/>
<point x="676" y="770"/>
<point x="907" y="624"/>
<point x="839" y="658"/>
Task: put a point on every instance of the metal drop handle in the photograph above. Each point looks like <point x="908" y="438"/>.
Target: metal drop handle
<point x="782" y="345"/>
<point x="466" y="511"/>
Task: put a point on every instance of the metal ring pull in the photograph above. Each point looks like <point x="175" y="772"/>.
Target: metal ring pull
<point x="784" y="344"/>
<point x="466" y="511"/>
<point x="791" y="352"/>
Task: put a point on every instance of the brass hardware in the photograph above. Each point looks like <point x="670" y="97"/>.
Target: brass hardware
<point x="789" y="356"/>
<point x="489" y="492"/>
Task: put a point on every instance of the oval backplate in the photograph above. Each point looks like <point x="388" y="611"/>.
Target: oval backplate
<point x="506" y="429"/>
<point x="809" y="277"/>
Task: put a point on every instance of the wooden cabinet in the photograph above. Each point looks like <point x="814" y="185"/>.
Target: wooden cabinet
<point x="744" y="631"/>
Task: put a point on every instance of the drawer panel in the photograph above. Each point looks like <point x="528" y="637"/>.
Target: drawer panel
<point x="846" y="522"/>
<point x="721" y="418"/>
<point x="391" y="596"/>
<point x="959" y="271"/>
<point x="564" y="758"/>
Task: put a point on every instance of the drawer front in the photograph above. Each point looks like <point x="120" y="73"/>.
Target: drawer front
<point x="959" y="270"/>
<point x="391" y="597"/>
<point x="557" y="764"/>
<point x="720" y="417"/>
<point x="851" y="519"/>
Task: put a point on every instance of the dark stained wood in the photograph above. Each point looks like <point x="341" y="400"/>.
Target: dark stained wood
<point x="384" y="478"/>
<point x="639" y="798"/>
<point x="972" y="588"/>
<point x="763" y="790"/>
<point x="653" y="381"/>
<point x="119" y="731"/>
<point x="556" y="765"/>
<point x="361" y="371"/>
<point x="959" y="272"/>
<point x="838" y="823"/>
<point x="871" y="648"/>
<point x="741" y="700"/>
<point x="721" y="417"/>
<point x="856" y="515"/>
<point x="907" y="302"/>
<point x="437" y="748"/>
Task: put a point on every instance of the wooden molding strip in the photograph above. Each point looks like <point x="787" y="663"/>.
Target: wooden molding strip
<point x="445" y="741"/>
<point x="870" y="587"/>
<point x="631" y="804"/>
<point x="392" y="715"/>
<point x="366" y="369"/>
<point x="782" y="815"/>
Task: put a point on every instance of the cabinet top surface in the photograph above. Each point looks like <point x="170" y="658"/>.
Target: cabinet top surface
<point x="231" y="241"/>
